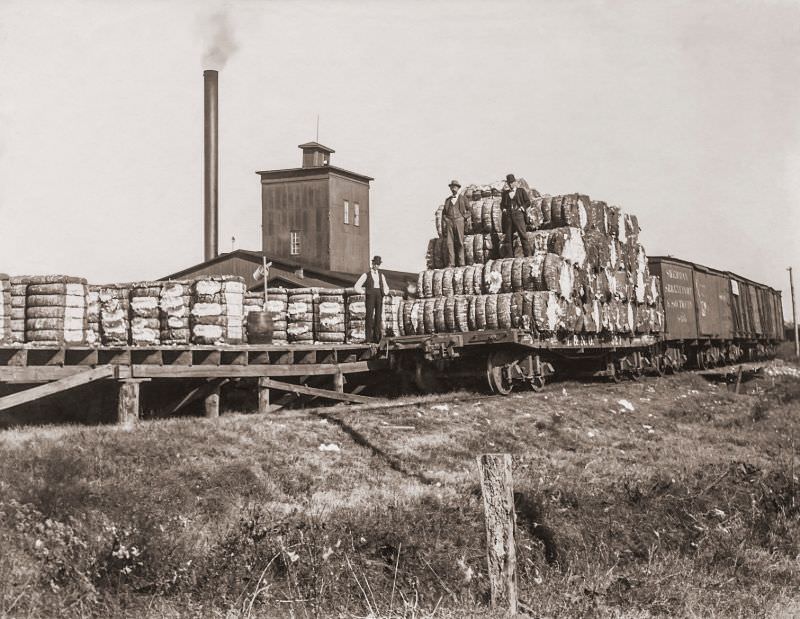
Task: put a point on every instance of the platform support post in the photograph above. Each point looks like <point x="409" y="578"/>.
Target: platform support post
<point x="338" y="382"/>
<point x="128" y="402"/>
<point x="263" y="396"/>
<point x="211" y="404"/>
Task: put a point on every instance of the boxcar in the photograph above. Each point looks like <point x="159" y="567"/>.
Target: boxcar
<point x="713" y="316"/>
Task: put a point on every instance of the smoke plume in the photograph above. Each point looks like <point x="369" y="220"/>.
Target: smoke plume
<point x="221" y="40"/>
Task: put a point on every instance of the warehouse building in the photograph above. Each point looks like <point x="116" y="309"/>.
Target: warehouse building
<point x="315" y="229"/>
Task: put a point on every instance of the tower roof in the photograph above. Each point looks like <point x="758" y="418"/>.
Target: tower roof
<point x="315" y="146"/>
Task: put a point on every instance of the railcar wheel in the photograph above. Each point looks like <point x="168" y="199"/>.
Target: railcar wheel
<point x="496" y="375"/>
<point x="537" y="383"/>
<point x="657" y="363"/>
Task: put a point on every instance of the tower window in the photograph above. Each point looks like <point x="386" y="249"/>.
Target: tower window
<point x="294" y="243"/>
<point x="347" y="212"/>
<point x="356" y="215"/>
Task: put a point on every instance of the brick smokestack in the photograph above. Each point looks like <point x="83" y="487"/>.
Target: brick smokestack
<point x="210" y="164"/>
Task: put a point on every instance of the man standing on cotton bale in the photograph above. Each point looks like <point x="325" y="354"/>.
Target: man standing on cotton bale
<point x="373" y="286"/>
<point x="514" y="202"/>
<point x="456" y="208"/>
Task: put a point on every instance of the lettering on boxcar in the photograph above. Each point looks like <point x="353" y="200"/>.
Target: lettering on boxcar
<point x="675" y="289"/>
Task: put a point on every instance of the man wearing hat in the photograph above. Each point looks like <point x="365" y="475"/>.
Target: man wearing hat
<point x="453" y="213"/>
<point x="373" y="286"/>
<point x="514" y="202"/>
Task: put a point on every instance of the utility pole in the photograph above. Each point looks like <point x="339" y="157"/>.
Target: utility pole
<point x="794" y="315"/>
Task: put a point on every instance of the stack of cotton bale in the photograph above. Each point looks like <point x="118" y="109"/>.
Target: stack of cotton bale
<point x="330" y="316"/>
<point x="145" y="313"/>
<point x="300" y="315"/>
<point x="356" y="324"/>
<point x="93" y="315"/>
<point x="175" y="301"/>
<point x="115" y="326"/>
<point x="216" y="315"/>
<point x="19" y="291"/>
<point x="55" y="310"/>
<point x="5" y="308"/>
<point x="587" y="273"/>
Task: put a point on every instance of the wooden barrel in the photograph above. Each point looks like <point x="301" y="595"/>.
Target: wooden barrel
<point x="259" y="328"/>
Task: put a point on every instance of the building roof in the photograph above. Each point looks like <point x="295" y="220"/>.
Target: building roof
<point x="293" y="273"/>
<point x="315" y="146"/>
<point x="312" y="171"/>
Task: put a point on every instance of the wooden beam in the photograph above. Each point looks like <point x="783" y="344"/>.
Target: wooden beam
<point x="37" y="373"/>
<point x="323" y="393"/>
<point x="498" y="503"/>
<point x="70" y="382"/>
<point x="195" y="394"/>
<point x="253" y="371"/>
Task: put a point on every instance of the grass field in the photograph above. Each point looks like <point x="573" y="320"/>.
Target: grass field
<point x="670" y="497"/>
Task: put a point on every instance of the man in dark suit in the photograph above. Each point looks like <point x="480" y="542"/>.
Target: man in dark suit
<point x="455" y="210"/>
<point x="513" y="202"/>
<point x="373" y="286"/>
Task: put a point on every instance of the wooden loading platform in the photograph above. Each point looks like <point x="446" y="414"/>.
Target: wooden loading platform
<point x="57" y="369"/>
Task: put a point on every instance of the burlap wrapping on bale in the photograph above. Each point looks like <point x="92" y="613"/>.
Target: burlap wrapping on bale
<point x="653" y="294"/>
<point x="486" y="215"/>
<point x="220" y="297"/>
<point x="547" y="312"/>
<point x="461" y="314"/>
<point x="175" y="304"/>
<point x="597" y="216"/>
<point x="573" y="316"/>
<point x="545" y="209"/>
<point x="438" y="218"/>
<point x="469" y="249"/>
<point x="478" y="309"/>
<point x="355" y="316"/>
<point x="447" y="281"/>
<point x="503" y="310"/>
<point x="533" y="215"/>
<point x="476" y="214"/>
<point x="556" y="212"/>
<point x="392" y="317"/>
<point x="300" y="312"/>
<point x="6" y="309"/>
<point x="492" y="313"/>
<point x="436" y="282"/>
<point x="356" y="331"/>
<point x="114" y="314"/>
<point x="56" y="304"/>
<point x="411" y="316"/>
<point x="479" y="257"/>
<point x="568" y="243"/>
<point x="429" y="316"/>
<point x="458" y="280"/>
<point x="439" y="319"/>
<point x="533" y="272"/>
<point x="517" y="267"/>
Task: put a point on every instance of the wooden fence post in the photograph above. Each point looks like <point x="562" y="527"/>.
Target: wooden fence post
<point x="498" y="503"/>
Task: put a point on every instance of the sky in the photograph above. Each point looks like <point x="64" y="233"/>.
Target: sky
<point x="684" y="113"/>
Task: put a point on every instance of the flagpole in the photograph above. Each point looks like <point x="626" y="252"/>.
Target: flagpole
<point x="264" y="266"/>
